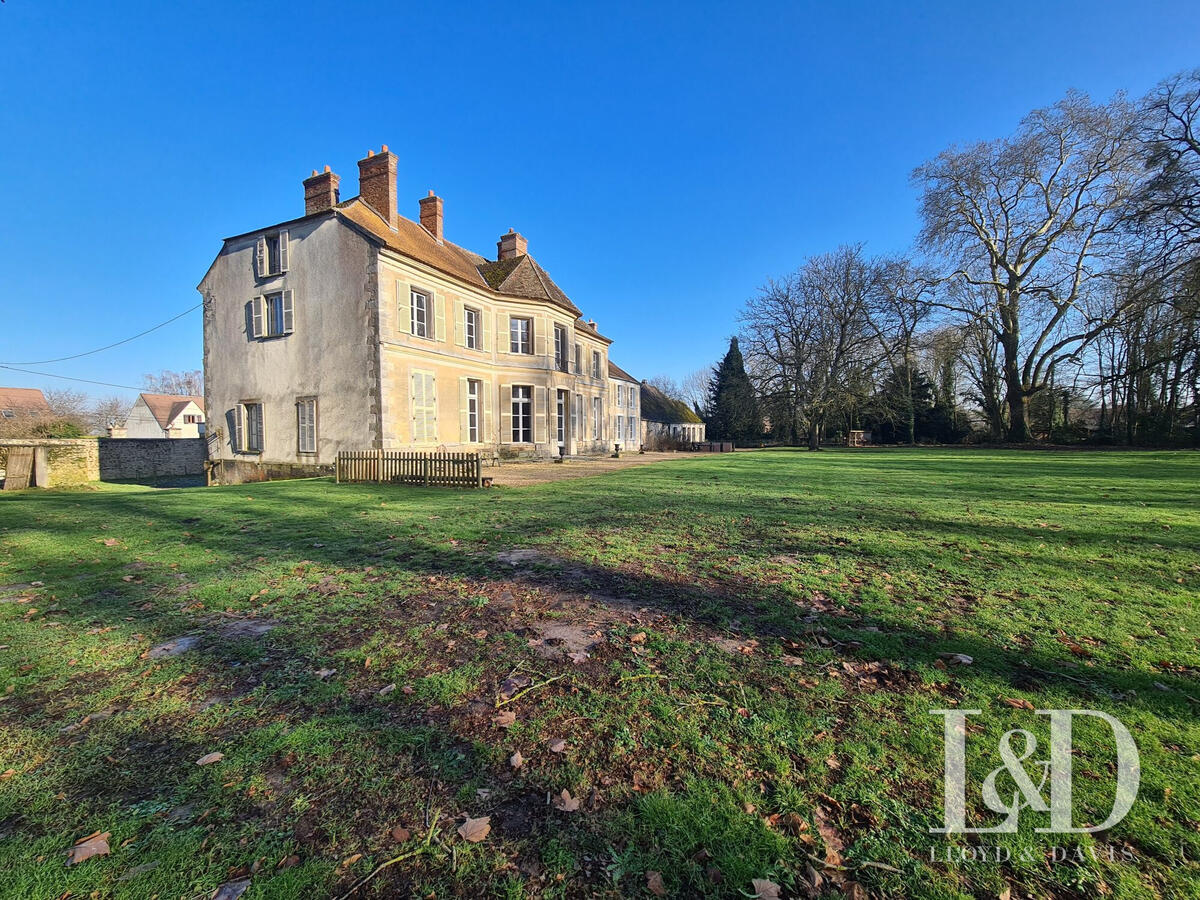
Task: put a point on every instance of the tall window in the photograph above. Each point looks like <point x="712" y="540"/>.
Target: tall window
<point x="272" y="314"/>
<point x="595" y="364"/>
<point x="249" y="427"/>
<point x="420" y="314"/>
<point x="577" y="416"/>
<point x="522" y="414"/>
<point x="579" y="359"/>
<point x="520" y="335"/>
<point x="620" y="395"/>
<point x="561" y="424"/>
<point x="306" y="425"/>
<point x="560" y="348"/>
<point x="596" y="412"/>
<point x="471" y="327"/>
<point x="473" y="411"/>
<point x="273" y="254"/>
<point x="424" y="408"/>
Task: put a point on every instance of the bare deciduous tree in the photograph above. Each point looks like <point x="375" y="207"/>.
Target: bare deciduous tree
<point x="1033" y="219"/>
<point x="168" y="382"/>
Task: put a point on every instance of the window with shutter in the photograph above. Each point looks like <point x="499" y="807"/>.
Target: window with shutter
<point x="520" y="335"/>
<point x="424" y="408"/>
<point x="256" y="317"/>
<point x="249" y="427"/>
<point x="289" y="313"/>
<point x="420" y="314"/>
<point x="522" y="414"/>
<point x="306" y="425"/>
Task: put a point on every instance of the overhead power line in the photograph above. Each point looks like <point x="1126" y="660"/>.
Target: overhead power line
<point x="127" y="387"/>
<point x="42" y="362"/>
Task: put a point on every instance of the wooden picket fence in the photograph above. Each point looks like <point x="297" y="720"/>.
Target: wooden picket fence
<point x="410" y="467"/>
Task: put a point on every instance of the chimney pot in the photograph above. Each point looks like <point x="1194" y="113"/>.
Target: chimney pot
<point x="377" y="184"/>
<point x="320" y="191"/>
<point x="384" y="150"/>
<point x="511" y="245"/>
<point x="432" y="216"/>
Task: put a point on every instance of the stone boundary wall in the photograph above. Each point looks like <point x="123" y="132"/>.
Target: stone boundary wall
<point x="68" y="462"/>
<point x="135" y="459"/>
<point x="71" y="462"/>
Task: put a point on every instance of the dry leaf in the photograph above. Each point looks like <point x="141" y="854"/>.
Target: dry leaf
<point x="210" y="758"/>
<point x="506" y="719"/>
<point x="351" y="860"/>
<point x="654" y="884"/>
<point x="558" y="745"/>
<point x="400" y="834"/>
<point x="509" y="686"/>
<point x="95" y="844"/>
<point x="231" y="890"/>
<point x="387" y="689"/>
<point x="855" y="891"/>
<point x="516" y="760"/>
<point x="1017" y="702"/>
<point x="475" y="830"/>
<point x="566" y="802"/>
<point x="766" y="890"/>
<point x="639" y="638"/>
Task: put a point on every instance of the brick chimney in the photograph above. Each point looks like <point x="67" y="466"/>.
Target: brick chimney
<point x="511" y="245"/>
<point x="377" y="183"/>
<point x="431" y="215"/>
<point x="320" y="191"/>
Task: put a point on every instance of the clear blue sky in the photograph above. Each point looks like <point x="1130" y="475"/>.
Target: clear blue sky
<point x="662" y="159"/>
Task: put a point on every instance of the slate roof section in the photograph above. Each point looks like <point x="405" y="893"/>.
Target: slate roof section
<point x="165" y="407"/>
<point x="658" y="407"/>
<point x="24" y="401"/>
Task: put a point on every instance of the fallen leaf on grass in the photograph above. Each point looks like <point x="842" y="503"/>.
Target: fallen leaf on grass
<point x="510" y="686"/>
<point x="1017" y="702"/>
<point x="516" y="760"/>
<point x="766" y="890"/>
<point x="566" y="802"/>
<point x="558" y="745"/>
<point x="654" y="884"/>
<point x="287" y="862"/>
<point x="475" y="830"/>
<point x="210" y="758"/>
<point x="351" y="860"/>
<point x="639" y="638"/>
<point x="231" y="890"/>
<point x="95" y="844"/>
<point x="854" y="891"/>
<point x="506" y="719"/>
<point x="958" y="659"/>
<point x="325" y="673"/>
<point x="400" y="834"/>
<point x="387" y="689"/>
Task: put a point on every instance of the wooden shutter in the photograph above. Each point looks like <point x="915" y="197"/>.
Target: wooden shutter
<point x="260" y="258"/>
<point x="503" y="329"/>
<point x="256" y="317"/>
<point x="431" y="409"/>
<point x="403" y="308"/>
<point x="283" y="250"/>
<point x="239" y="427"/>
<point x="505" y="400"/>
<point x="483" y="332"/>
<point x="460" y="324"/>
<point x="485" y="411"/>
<point x="464" y="418"/>
<point x="439" y="317"/>
<point x="538" y="326"/>
<point x="289" y="315"/>
<point x="417" y="406"/>
<point x="541" y="407"/>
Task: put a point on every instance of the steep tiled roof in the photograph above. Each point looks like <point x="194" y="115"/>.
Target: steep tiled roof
<point x="615" y="371"/>
<point x="165" y="407"/>
<point x="658" y="407"/>
<point x="24" y="401"/>
<point x="517" y="277"/>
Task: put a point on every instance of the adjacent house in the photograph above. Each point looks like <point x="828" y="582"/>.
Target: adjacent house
<point x="625" y="401"/>
<point x="164" y="416"/>
<point x="23" y="403"/>
<point x="666" y="420"/>
<point x="353" y="327"/>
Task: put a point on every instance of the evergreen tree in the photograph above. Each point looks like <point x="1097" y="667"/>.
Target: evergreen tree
<point x="732" y="407"/>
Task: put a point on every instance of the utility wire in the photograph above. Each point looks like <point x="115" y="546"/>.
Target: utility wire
<point x="42" y="362"/>
<point x="127" y="387"/>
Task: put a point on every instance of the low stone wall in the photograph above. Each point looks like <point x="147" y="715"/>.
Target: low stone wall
<point x="240" y="471"/>
<point x="141" y="459"/>
<point x="68" y="461"/>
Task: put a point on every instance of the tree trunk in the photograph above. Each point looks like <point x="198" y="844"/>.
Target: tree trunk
<point x="814" y="436"/>
<point x="1017" y="399"/>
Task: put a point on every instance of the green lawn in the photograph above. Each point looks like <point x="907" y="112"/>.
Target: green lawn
<point x="758" y="641"/>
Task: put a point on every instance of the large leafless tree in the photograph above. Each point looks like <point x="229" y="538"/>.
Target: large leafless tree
<point x="1035" y="220"/>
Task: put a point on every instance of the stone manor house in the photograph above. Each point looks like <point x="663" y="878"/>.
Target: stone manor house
<point x="353" y="328"/>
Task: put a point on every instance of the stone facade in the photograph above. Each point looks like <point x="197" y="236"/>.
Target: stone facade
<point x="388" y="336"/>
<point x="59" y="462"/>
<point x="70" y="463"/>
